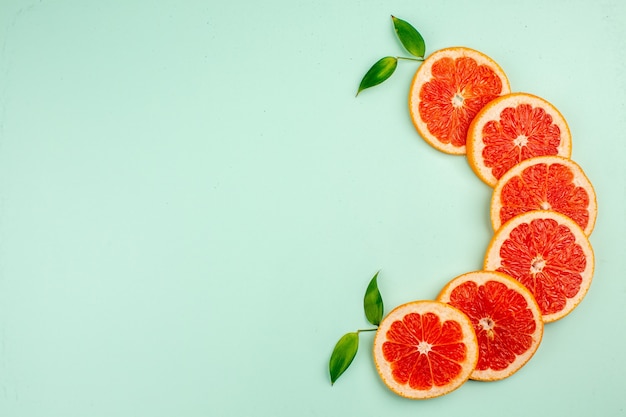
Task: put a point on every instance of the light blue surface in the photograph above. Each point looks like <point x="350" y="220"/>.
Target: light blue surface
<point x="192" y="202"/>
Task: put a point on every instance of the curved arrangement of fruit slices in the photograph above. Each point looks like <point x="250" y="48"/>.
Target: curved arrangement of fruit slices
<point x="486" y="325"/>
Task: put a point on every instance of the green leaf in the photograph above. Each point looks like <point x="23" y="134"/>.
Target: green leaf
<point x="410" y="37"/>
<point x="373" y="302"/>
<point x="343" y="354"/>
<point x="379" y="72"/>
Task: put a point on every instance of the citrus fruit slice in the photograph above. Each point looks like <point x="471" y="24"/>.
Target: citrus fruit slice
<point x="549" y="254"/>
<point x="513" y="128"/>
<point x="506" y="318"/>
<point x="447" y="91"/>
<point x="545" y="183"/>
<point x="425" y="349"/>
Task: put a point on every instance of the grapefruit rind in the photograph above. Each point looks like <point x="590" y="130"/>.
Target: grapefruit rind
<point x="480" y="278"/>
<point x="579" y="180"/>
<point x="492" y="260"/>
<point x="445" y="312"/>
<point x="424" y="74"/>
<point x="492" y="112"/>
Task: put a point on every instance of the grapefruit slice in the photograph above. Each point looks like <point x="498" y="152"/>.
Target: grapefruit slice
<point x="506" y="319"/>
<point x="447" y="91"/>
<point x="513" y="128"/>
<point x="425" y="349"/>
<point x="545" y="183"/>
<point x="549" y="254"/>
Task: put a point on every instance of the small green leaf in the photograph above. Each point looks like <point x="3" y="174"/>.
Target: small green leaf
<point x="410" y="37"/>
<point x="379" y="72"/>
<point x="343" y="354"/>
<point x="373" y="302"/>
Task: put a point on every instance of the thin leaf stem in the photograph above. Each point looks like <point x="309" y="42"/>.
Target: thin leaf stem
<point x="367" y="330"/>
<point x="410" y="59"/>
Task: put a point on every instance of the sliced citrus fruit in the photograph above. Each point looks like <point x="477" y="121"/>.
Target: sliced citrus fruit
<point x="447" y="91"/>
<point x="545" y="183"/>
<point x="548" y="253"/>
<point x="425" y="349"/>
<point x="513" y="128"/>
<point x="506" y="318"/>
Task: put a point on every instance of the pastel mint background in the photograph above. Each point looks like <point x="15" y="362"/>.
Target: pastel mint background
<point x="192" y="202"/>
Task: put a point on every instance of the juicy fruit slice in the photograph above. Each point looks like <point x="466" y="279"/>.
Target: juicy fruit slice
<point x="545" y="183"/>
<point x="447" y="91"/>
<point x="425" y="349"/>
<point x="549" y="254"/>
<point x="506" y="319"/>
<point x="513" y="128"/>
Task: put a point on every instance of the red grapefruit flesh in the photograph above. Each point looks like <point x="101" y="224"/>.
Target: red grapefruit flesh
<point x="506" y="318"/>
<point x="425" y="349"/>
<point x="448" y="90"/>
<point x="513" y="128"/>
<point x="549" y="254"/>
<point x="545" y="183"/>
